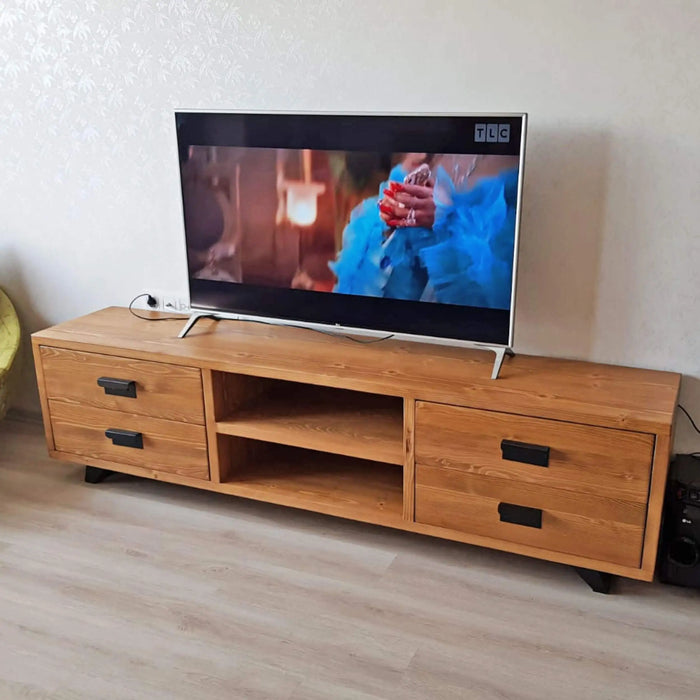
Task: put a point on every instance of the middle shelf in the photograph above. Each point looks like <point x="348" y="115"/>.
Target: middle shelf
<point x="339" y="421"/>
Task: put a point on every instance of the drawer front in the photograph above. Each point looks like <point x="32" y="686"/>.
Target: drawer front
<point x="579" y="458"/>
<point x="599" y="528"/>
<point x="166" y="446"/>
<point x="161" y="390"/>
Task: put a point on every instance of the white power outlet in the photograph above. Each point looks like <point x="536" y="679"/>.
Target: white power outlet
<point x="165" y="301"/>
<point x="175" y="303"/>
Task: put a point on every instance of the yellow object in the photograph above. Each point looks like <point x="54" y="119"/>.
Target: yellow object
<point x="9" y="344"/>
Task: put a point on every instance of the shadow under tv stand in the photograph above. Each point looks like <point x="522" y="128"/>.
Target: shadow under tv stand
<point x="558" y="459"/>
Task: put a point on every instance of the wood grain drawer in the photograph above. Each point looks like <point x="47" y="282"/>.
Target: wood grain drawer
<point x="168" y="446"/>
<point x="163" y="390"/>
<point x="581" y="458"/>
<point x="604" y="529"/>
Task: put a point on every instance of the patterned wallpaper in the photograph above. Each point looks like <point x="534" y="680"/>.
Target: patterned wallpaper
<point x="89" y="194"/>
<point x="95" y="82"/>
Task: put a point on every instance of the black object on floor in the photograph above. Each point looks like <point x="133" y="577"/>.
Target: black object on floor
<point x="94" y="475"/>
<point x="679" y="549"/>
<point x="599" y="581"/>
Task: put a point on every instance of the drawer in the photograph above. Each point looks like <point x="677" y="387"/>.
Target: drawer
<point x="168" y="446"/>
<point x="596" y="528"/>
<point x="581" y="458"/>
<point x="163" y="391"/>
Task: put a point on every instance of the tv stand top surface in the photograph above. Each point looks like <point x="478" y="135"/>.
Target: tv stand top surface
<point x="569" y="390"/>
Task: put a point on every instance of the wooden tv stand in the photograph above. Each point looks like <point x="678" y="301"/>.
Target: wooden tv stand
<point x="558" y="459"/>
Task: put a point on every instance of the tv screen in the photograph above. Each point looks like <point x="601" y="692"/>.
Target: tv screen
<point x="403" y="224"/>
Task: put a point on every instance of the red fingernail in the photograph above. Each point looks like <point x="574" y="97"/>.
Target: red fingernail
<point x="393" y="222"/>
<point x="388" y="193"/>
<point x="386" y="209"/>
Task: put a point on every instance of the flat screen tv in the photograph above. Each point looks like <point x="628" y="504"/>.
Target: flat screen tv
<point x="401" y="224"/>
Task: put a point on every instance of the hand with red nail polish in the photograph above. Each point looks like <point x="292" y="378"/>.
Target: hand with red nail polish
<point x="410" y="206"/>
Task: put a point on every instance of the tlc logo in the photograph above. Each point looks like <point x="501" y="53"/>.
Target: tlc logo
<point x="492" y="133"/>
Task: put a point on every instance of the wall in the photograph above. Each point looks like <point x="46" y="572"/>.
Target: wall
<point x="89" y="198"/>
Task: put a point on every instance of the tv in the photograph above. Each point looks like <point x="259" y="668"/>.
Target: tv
<point x="377" y="223"/>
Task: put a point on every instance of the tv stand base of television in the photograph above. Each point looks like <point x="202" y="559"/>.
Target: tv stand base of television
<point x="559" y="460"/>
<point x="500" y="356"/>
<point x="197" y="316"/>
<point x="499" y="350"/>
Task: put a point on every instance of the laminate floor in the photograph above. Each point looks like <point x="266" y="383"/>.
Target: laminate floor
<point x="138" y="589"/>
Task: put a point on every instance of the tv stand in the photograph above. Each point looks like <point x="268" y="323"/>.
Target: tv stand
<point x="560" y="460"/>
<point x="500" y="356"/>
<point x="499" y="350"/>
<point x="196" y="316"/>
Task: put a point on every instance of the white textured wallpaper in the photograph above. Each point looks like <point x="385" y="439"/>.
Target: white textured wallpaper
<point x="610" y="253"/>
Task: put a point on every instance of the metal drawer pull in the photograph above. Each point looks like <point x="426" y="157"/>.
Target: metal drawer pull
<point x="520" y="515"/>
<point x="125" y="438"/>
<point x="525" y="452"/>
<point x="118" y="387"/>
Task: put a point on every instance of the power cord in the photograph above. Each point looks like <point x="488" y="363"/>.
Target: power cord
<point x="695" y="427"/>
<point x="690" y="418"/>
<point x="151" y="301"/>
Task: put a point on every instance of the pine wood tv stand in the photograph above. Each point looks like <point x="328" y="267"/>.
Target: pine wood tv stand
<point x="557" y="459"/>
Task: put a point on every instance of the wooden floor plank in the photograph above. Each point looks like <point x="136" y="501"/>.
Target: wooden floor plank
<point x="140" y="589"/>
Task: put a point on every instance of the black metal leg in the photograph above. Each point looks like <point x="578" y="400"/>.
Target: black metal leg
<point x="599" y="581"/>
<point x="94" y="475"/>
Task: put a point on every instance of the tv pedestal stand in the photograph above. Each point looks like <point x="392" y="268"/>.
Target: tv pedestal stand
<point x="558" y="459"/>
<point x="196" y="316"/>
<point x="500" y="355"/>
<point x="499" y="350"/>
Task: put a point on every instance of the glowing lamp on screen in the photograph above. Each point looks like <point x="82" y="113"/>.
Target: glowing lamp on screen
<point x="302" y="202"/>
<point x="302" y="195"/>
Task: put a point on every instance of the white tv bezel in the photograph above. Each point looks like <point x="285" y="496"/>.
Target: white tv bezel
<point x="499" y="349"/>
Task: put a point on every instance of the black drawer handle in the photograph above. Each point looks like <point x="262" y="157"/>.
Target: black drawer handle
<point x="125" y="438"/>
<point x="118" y="387"/>
<point x="525" y="452"/>
<point x="520" y="515"/>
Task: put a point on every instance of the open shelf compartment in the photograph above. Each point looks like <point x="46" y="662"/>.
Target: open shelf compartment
<point x="338" y="421"/>
<point x="348" y="487"/>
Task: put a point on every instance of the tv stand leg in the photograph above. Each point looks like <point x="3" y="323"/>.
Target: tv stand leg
<point x="599" y="581"/>
<point x="500" y="354"/>
<point x="191" y="322"/>
<point x="95" y="475"/>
